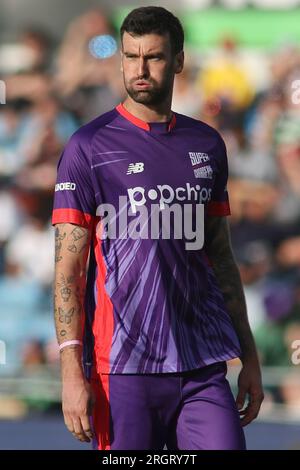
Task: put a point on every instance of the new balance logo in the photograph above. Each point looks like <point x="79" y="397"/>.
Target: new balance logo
<point x="135" y="168"/>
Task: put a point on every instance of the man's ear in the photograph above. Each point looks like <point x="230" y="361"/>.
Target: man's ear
<point x="179" y="62"/>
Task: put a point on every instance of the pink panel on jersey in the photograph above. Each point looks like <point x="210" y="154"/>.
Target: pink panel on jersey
<point x="72" y="216"/>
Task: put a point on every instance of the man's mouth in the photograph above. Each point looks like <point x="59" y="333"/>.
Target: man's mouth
<point x="142" y="84"/>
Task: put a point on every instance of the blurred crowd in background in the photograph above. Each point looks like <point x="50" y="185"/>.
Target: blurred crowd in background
<point x="53" y="88"/>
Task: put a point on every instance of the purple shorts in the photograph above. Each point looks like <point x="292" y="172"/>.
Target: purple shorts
<point x="184" y="410"/>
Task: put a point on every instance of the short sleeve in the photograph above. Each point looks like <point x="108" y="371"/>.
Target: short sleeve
<point x="74" y="199"/>
<point x="219" y="203"/>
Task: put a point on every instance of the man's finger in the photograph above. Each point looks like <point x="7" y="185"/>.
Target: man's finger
<point x="240" y="399"/>
<point x="251" y="413"/>
<point x="69" y="423"/>
<point x="79" y="431"/>
<point x="85" y="423"/>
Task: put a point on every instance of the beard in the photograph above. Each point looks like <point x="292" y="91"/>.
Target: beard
<point x="154" y="95"/>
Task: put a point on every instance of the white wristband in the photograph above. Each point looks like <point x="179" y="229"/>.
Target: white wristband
<point x="70" y="343"/>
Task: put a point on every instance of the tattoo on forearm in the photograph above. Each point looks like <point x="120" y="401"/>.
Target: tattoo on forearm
<point x="63" y="333"/>
<point x="65" y="286"/>
<point x="65" y="316"/>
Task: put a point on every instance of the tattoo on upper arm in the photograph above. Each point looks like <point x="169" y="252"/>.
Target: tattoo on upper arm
<point x="225" y="268"/>
<point x="220" y="253"/>
<point x="228" y="277"/>
<point x="76" y="241"/>
<point x="76" y="237"/>
<point x="77" y="233"/>
<point x="59" y="236"/>
<point x="217" y="237"/>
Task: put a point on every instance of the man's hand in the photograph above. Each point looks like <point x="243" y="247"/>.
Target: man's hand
<point x="249" y="383"/>
<point x="77" y="396"/>
<point x="77" y="405"/>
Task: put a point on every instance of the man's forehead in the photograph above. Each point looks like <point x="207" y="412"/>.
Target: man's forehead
<point x="147" y="42"/>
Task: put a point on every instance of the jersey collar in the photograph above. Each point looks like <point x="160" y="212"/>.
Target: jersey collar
<point x="139" y="122"/>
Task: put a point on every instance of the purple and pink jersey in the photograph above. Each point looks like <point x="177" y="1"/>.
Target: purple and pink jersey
<point x="151" y="304"/>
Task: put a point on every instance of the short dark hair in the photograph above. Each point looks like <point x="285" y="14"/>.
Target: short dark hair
<point x="157" y="20"/>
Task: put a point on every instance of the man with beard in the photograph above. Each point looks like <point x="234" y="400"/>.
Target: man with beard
<point x="145" y="336"/>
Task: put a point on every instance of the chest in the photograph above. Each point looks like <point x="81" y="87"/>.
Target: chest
<point x="173" y="168"/>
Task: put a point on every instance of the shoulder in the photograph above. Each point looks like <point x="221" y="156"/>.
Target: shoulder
<point x="82" y="138"/>
<point x="201" y="127"/>
<point x="77" y="151"/>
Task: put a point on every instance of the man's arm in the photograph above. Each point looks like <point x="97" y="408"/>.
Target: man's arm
<point x="71" y="252"/>
<point x="219" y="250"/>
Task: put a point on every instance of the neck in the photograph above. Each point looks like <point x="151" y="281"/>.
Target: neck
<point x="160" y="113"/>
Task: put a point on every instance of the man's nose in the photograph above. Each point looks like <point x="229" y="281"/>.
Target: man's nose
<point x="143" y="68"/>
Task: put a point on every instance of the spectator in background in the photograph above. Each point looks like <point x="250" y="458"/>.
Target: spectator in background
<point x="40" y="45"/>
<point x="92" y="84"/>
<point x="225" y="80"/>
